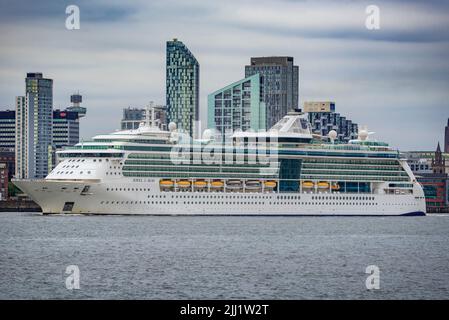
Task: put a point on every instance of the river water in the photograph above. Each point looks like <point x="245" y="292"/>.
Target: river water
<point x="131" y="257"/>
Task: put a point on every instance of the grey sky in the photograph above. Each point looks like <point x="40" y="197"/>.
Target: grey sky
<point x="395" y="80"/>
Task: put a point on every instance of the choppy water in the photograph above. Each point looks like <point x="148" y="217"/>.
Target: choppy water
<point x="223" y="257"/>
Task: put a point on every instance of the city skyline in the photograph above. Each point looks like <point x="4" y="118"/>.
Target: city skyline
<point x="386" y="79"/>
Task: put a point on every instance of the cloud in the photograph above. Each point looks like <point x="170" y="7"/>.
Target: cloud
<point x="19" y="11"/>
<point x="386" y="79"/>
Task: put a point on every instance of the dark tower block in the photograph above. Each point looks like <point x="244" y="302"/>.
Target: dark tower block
<point x="446" y="138"/>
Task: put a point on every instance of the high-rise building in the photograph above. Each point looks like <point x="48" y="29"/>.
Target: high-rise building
<point x="132" y="117"/>
<point x="182" y="87"/>
<point x="237" y="107"/>
<point x="154" y="115"/>
<point x="7" y="129"/>
<point x="279" y="79"/>
<point x="324" y="121"/>
<point x="66" y="125"/>
<point x="66" y="128"/>
<point x="34" y="127"/>
<point x="8" y="140"/>
<point x="446" y="138"/>
<point x="22" y="146"/>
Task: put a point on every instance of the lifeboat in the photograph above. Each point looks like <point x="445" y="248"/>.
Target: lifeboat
<point x="217" y="184"/>
<point x="323" y="185"/>
<point x="200" y="184"/>
<point x="166" y="183"/>
<point x="183" y="183"/>
<point x="233" y="184"/>
<point x="308" y="184"/>
<point x="270" y="184"/>
<point x="253" y="185"/>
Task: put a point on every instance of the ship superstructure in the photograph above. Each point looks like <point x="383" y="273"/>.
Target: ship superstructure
<point x="286" y="170"/>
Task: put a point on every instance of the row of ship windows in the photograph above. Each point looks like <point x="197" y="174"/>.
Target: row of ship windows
<point x="352" y="167"/>
<point x="82" y="160"/>
<point x="70" y="172"/>
<point x="349" y="161"/>
<point x="198" y="175"/>
<point x="202" y="175"/>
<point x="73" y="166"/>
<point x="222" y="197"/>
<point x="245" y="203"/>
<point x="342" y="198"/>
<point x="281" y="152"/>
<point x="355" y="178"/>
<point x="234" y="164"/>
<point x="280" y="197"/>
<point x="186" y="169"/>
<point x="68" y="166"/>
<point x="127" y="189"/>
<point x="372" y="173"/>
<point x="327" y="162"/>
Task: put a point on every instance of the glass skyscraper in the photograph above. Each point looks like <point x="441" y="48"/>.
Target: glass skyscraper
<point x="7" y="129"/>
<point x="279" y="79"/>
<point x="34" y="127"/>
<point x="323" y="118"/>
<point x="237" y="107"/>
<point x="66" y="123"/>
<point x="66" y="128"/>
<point x="182" y="86"/>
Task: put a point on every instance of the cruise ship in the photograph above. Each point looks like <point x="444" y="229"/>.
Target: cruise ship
<point x="286" y="170"/>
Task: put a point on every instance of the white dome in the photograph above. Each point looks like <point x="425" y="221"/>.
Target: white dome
<point x="332" y="134"/>
<point x="363" y="134"/>
<point x="208" y="134"/>
<point x="172" y="126"/>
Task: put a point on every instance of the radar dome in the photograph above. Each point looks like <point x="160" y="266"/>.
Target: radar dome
<point x="363" y="134"/>
<point x="332" y="135"/>
<point x="208" y="134"/>
<point x="172" y="126"/>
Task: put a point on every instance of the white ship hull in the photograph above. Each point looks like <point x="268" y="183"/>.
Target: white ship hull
<point x="152" y="172"/>
<point x="145" y="198"/>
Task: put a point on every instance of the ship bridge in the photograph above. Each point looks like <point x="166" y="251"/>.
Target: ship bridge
<point x="293" y="128"/>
